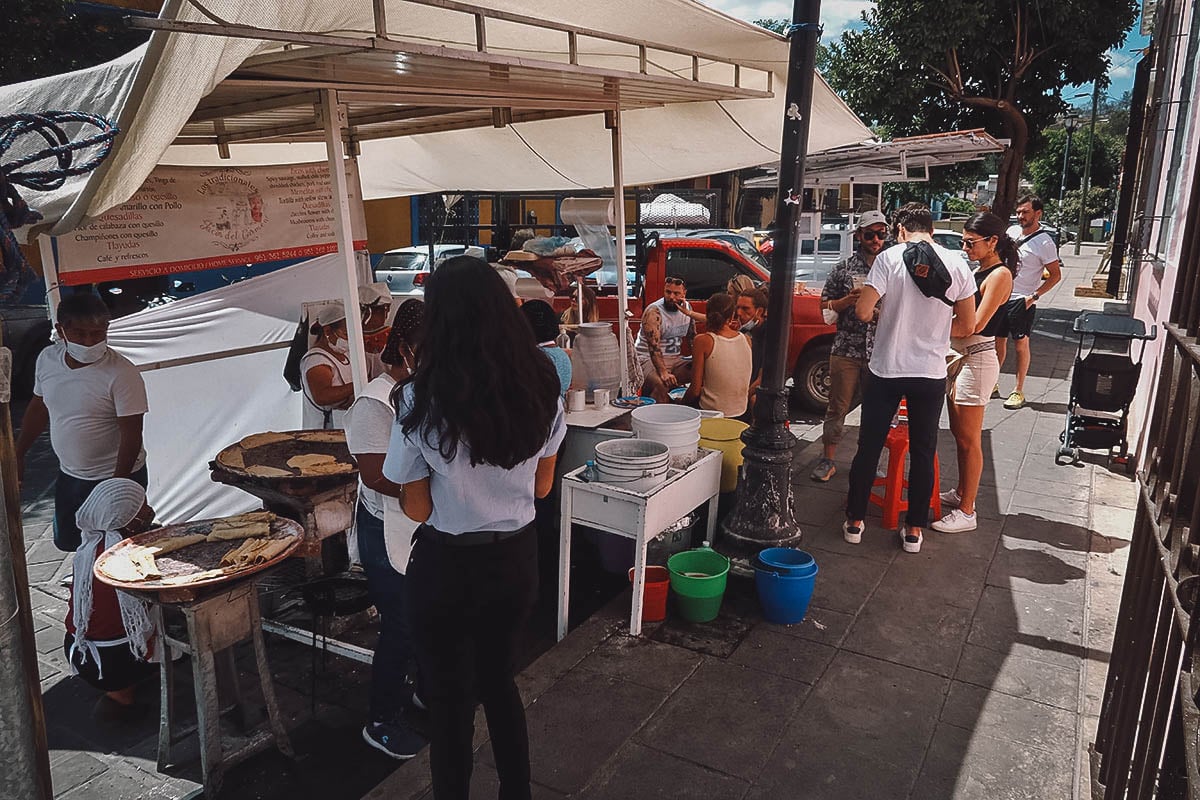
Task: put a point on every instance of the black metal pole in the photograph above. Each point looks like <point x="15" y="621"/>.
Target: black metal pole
<point x="763" y="515"/>
<point x="1129" y="176"/>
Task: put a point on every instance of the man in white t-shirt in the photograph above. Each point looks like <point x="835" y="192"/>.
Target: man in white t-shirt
<point x="928" y="295"/>
<point x="1039" y="254"/>
<point x="93" y="401"/>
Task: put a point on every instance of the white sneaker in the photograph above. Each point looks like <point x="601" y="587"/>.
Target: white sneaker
<point x="951" y="498"/>
<point x="853" y="533"/>
<point x="909" y="541"/>
<point x="957" y="521"/>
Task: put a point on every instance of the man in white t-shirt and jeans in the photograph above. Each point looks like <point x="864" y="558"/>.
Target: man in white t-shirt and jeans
<point x="1039" y="254"/>
<point x="93" y="400"/>
<point x="928" y="295"/>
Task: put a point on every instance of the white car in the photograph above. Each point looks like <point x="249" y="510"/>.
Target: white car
<point x="835" y="245"/>
<point x="405" y="270"/>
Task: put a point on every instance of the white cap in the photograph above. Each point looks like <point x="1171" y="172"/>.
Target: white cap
<point x="330" y="313"/>
<point x="475" y="251"/>
<point x="370" y="294"/>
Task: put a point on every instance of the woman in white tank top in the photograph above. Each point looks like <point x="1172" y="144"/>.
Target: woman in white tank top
<point x="721" y="362"/>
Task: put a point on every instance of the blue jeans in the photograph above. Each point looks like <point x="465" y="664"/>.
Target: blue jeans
<point x="69" y="494"/>
<point x="389" y="667"/>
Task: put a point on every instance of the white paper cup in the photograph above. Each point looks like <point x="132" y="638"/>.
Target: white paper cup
<point x="576" y="400"/>
<point x="600" y="398"/>
<point x="859" y="281"/>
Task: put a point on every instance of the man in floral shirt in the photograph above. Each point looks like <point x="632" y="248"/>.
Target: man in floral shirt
<point x="852" y="345"/>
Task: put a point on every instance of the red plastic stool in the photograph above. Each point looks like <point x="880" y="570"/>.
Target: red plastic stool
<point x="892" y="500"/>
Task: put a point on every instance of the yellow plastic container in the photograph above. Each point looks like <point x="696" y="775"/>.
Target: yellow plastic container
<point x="725" y="435"/>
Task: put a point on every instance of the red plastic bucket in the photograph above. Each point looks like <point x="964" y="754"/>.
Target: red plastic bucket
<point x="654" y="605"/>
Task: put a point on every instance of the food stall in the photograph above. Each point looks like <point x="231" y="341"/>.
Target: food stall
<point x="513" y="95"/>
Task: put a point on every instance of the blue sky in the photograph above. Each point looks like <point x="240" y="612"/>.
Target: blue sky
<point x="838" y="15"/>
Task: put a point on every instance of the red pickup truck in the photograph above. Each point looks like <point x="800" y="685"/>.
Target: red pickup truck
<point x="707" y="265"/>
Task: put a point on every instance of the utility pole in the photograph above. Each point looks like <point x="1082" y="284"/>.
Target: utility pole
<point x="1087" y="167"/>
<point x="763" y="515"/>
<point x="23" y="749"/>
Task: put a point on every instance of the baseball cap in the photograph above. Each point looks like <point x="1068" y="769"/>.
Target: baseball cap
<point x="870" y="218"/>
<point x="927" y="270"/>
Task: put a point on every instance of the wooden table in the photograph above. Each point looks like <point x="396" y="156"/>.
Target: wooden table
<point x="634" y="515"/>
<point x="216" y="620"/>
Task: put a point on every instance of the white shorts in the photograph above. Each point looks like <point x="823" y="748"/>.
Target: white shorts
<point x="976" y="379"/>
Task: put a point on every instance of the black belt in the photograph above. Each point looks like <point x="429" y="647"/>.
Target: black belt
<point x="469" y="539"/>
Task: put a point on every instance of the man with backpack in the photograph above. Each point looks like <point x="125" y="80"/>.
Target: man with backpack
<point x="1039" y="256"/>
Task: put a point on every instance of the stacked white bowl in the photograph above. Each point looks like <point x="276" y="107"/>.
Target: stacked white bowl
<point x="678" y="427"/>
<point x="636" y="464"/>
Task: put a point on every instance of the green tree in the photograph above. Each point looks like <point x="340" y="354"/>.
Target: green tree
<point x="1099" y="204"/>
<point x="779" y="26"/>
<point x="48" y="37"/>
<point x="922" y="66"/>
<point x="1045" y="168"/>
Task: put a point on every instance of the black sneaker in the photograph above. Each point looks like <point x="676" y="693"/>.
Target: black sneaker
<point x="394" y="739"/>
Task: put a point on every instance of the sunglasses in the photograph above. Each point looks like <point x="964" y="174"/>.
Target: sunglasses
<point x="673" y="282"/>
<point x="870" y="235"/>
<point x="969" y="243"/>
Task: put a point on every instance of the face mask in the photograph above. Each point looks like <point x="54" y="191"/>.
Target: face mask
<point x="749" y="326"/>
<point x="339" y="346"/>
<point x="87" y="354"/>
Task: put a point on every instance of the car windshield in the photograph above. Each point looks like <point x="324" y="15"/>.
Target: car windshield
<point x="402" y="261"/>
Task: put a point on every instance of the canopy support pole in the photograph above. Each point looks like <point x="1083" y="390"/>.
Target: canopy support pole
<point x="50" y="274"/>
<point x="612" y="120"/>
<point x="335" y="119"/>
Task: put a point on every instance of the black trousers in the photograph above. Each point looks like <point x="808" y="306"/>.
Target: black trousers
<point x="881" y="398"/>
<point x="467" y="605"/>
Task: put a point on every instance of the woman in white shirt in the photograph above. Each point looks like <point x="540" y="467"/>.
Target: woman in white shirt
<point x="328" y="383"/>
<point x="478" y="430"/>
<point x="384" y="539"/>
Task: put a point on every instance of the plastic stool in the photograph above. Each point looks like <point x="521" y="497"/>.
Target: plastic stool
<point x="892" y="500"/>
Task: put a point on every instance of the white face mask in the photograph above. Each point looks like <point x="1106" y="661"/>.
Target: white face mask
<point x="86" y="354"/>
<point x="339" y="346"/>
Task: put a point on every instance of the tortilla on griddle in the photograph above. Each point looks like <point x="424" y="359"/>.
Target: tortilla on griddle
<point x="169" y="544"/>
<point x="332" y="437"/>
<point x="263" y="471"/>
<point x="232" y="458"/>
<point x="132" y="564"/>
<point x="243" y="526"/>
<point x="307" y="461"/>
<point x="261" y="439"/>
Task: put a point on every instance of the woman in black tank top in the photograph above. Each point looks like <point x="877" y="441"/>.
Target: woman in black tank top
<point x="985" y="242"/>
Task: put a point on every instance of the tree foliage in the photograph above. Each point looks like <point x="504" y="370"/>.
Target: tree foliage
<point x="48" y="37"/>
<point x="924" y="66"/>
<point x="1046" y="167"/>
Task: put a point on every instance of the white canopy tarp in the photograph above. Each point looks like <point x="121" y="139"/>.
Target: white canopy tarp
<point x="153" y="92"/>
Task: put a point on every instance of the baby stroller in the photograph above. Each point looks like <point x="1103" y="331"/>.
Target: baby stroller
<point x="1103" y="384"/>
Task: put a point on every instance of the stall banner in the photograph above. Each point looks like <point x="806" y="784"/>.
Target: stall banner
<point x="192" y="218"/>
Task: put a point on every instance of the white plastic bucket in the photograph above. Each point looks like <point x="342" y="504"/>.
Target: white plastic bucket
<point x="631" y="452"/>
<point x="678" y="427"/>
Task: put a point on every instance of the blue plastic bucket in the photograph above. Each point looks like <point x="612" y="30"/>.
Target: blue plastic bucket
<point x="787" y="561"/>
<point x="784" y="598"/>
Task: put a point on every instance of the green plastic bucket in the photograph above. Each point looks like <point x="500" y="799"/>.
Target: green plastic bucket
<point x="698" y="581"/>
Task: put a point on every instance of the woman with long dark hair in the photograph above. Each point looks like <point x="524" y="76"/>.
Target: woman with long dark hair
<point x="987" y="244"/>
<point x="478" y="428"/>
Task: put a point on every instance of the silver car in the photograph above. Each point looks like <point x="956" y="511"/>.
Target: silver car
<point x="405" y="270"/>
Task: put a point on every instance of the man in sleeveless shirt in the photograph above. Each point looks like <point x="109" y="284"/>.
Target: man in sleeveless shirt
<point x="1039" y="255"/>
<point x="665" y="324"/>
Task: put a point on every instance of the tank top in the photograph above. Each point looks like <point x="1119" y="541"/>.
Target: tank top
<point x="676" y="325"/>
<point x="727" y="376"/>
<point x="996" y="324"/>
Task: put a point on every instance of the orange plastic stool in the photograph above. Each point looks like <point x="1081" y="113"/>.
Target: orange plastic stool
<point x="892" y="500"/>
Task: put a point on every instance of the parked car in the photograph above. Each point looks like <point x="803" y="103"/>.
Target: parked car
<point x="739" y="242"/>
<point x="835" y="245"/>
<point x="405" y="269"/>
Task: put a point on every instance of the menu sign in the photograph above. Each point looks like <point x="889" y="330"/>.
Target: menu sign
<point x="191" y="218"/>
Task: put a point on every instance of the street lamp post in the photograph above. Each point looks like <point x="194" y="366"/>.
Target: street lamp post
<point x="1087" y="168"/>
<point x="1070" y="123"/>
<point x="763" y="515"/>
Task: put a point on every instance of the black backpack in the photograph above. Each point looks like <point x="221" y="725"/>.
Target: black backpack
<point x="296" y="351"/>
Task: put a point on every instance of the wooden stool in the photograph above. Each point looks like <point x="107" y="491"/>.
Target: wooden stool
<point x="215" y="623"/>
<point x="892" y="500"/>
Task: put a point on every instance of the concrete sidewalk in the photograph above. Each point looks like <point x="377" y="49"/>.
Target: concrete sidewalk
<point x="971" y="670"/>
